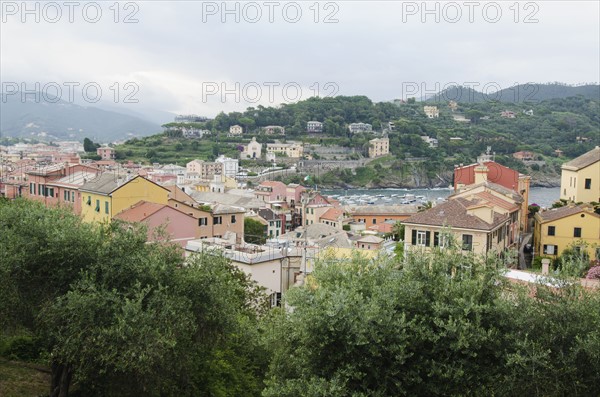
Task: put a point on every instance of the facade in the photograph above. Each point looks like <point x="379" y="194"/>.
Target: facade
<point x="292" y="150"/>
<point x="507" y="114"/>
<point x="355" y="128"/>
<point x="431" y="112"/>
<point x="492" y="172"/>
<point x="333" y="217"/>
<point x="179" y="226"/>
<point x="275" y="223"/>
<point x="253" y="150"/>
<point x="580" y="178"/>
<point x="274" y="130"/>
<point x="235" y="130"/>
<point x="105" y="196"/>
<point x="474" y="223"/>
<point x="559" y="228"/>
<point x="378" y="214"/>
<point x="271" y="191"/>
<point x="369" y="243"/>
<point x="379" y="147"/>
<point x="59" y="184"/>
<point x="314" y="126"/>
<point x="230" y="167"/>
<point x="524" y="156"/>
<point x="204" y="169"/>
<point x="106" y="153"/>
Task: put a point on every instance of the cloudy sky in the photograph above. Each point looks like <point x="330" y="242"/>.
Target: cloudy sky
<point x="203" y="57"/>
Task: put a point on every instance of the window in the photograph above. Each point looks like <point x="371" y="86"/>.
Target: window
<point x="588" y="183"/>
<point x="106" y="207"/>
<point x="374" y="221"/>
<point x="202" y="221"/>
<point x="577" y="232"/>
<point x="551" y="230"/>
<point x="421" y="238"/>
<point x="467" y="242"/>
<point x="550" y="249"/>
<point x="217" y="220"/>
<point x="232" y="218"/>
<point x="66" y="195"/>
<point x="72" y="197"/>
<point x="32" y="188"/>
<point x="97" y="205"/>
<point x="89" y="200"/>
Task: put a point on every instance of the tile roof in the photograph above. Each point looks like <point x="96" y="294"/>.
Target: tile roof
<point x="453" y="213"/>
<point x="370" y="239"/>
<point x="140" y="211"/>
<point x="268" y="214"/>
<point x="497" y="201"/>
<point x="405" y="209"/>
<point x="104" y="184"/>
<point x="332" y="214"/>
<point x="558" y="213"/>
<point x="584" y="160"/>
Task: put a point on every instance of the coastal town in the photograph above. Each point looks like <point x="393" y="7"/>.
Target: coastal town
<point x="275" y="232"/>
<point x="299" y="199"/>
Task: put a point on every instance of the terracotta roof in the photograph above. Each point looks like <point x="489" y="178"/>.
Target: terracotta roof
<point x="140" y="211"/>
<point x="558" y="213"/>
<point x="370" y="239"/>
<point x="453" y="213"/>
<point x="584" y="160"/>
<point x="332" y="214"/>
<point x="384" y="210"/>
<point x="497" y="201"/>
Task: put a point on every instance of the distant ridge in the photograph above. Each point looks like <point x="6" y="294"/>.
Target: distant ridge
<point x="530" y="92"/>
<point x="59" y="120"/>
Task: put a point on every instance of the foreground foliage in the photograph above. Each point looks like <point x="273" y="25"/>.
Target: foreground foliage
<point x="440" y="324"/>
<point x="119" y="316"/>
<point x="113" y="315"/>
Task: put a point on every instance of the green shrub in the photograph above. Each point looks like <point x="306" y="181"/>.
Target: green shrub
<point x="21" y="347"/>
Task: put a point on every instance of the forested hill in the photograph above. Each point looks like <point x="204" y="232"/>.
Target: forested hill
<point x="548" y="125"/>
<point x="530" y="92"/>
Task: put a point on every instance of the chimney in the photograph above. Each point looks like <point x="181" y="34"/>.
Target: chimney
<point x="481" y="173"/>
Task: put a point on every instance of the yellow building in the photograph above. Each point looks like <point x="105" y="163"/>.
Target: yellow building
<point x="379" y="147"/>
<point x="292" y="150"/>
<point x="107" y="195"/>
<point x="559" y="228"/>
<point x="580" y="179"/>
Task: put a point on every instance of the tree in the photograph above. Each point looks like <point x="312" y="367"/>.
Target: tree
<point x="431" y="324"/>
<point x="254" y="231"/>
<point x="120" y="316"/>
<point x="89" y="146"/>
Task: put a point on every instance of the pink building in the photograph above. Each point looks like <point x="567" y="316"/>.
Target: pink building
<point x="179" y="226"/>
<point x="107" y="153"/>
<point x="59" y="184"/>
<point x="271" y="191"/>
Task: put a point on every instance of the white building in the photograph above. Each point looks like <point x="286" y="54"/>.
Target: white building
<point x="235" y="130"/>
<point x="314" y="126"/>
<point x="360" y="127"/>
<point x="230" y="166"/>
<point x="274" y="130"/>
<point x="432" y="142"/>
<point x="253" y="150"/>
<point x="431" y="111"/>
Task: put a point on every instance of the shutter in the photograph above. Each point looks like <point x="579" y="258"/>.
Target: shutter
<point x="436" y="239"/>
<point x="427" y="239"/>
<point x="414" y="237"/>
